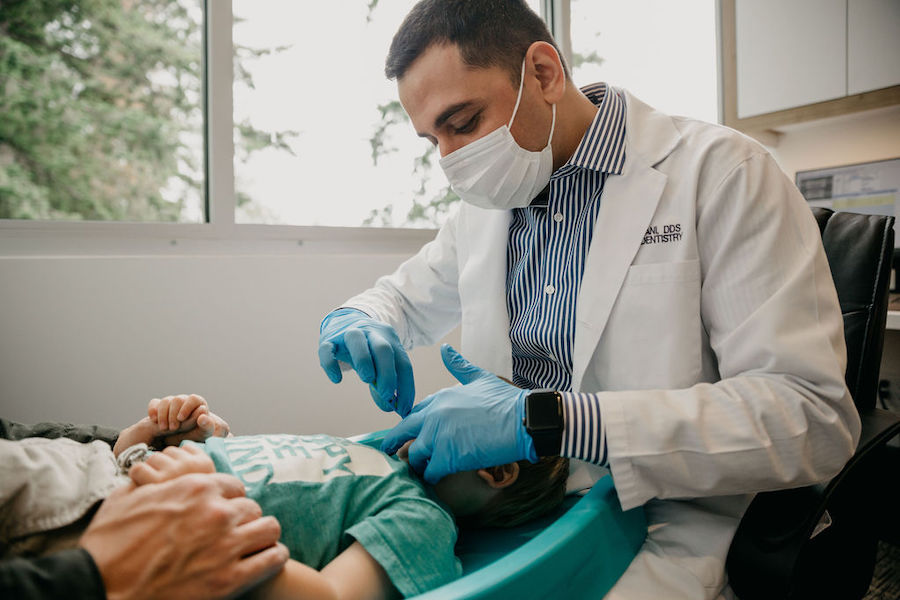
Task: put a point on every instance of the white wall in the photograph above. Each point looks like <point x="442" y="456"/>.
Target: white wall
<point x="859" y="137"/>
<point x="91" y="339"/>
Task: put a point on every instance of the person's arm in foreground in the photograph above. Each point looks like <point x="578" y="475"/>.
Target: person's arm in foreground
<point x="69" y="573"/>
<point x="191" y="537"/>
<point x="352" y="575"/>
<point x="195" y="536"/>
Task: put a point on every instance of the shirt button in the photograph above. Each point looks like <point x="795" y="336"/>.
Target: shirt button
<point x="558" y="217"/>
<point x="549" y="289"/>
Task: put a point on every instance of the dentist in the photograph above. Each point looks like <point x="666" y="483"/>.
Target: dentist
<point x="657" y="282"/>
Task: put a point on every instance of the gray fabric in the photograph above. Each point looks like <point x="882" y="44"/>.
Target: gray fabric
<point x="48" y="484"/>
<point x="10" y="430"/>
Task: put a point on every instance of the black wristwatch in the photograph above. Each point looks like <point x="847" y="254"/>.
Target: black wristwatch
<point x="544" y="421"/>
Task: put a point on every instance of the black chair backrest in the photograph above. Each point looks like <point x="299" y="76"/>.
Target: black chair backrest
<point x="859" y="249"/>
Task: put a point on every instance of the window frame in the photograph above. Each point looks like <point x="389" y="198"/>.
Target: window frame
<point x="220" y="234"/>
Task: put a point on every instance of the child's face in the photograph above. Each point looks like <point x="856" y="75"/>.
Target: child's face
<point x="466" y="492"/>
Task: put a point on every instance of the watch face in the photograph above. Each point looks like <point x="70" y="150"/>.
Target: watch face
<point x="543" y="411"/>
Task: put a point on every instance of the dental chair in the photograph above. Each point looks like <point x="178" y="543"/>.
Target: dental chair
<point x="578" y="551"/>
<point x="820" y="541"/>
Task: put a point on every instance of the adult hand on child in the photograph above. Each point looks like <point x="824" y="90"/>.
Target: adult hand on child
<point x="374" y="351"/>
<point x="195" y="536"/>
<point x="172" y="462"/>
<point x="473" y="426"/>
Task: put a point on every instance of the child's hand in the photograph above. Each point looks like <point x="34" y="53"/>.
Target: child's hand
<point x="172" y="462"/>
<point x="172" y="411"/>
<point x="185" y="417"/>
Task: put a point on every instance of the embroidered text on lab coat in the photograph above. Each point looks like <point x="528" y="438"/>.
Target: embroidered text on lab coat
<point x="670" y="233"/>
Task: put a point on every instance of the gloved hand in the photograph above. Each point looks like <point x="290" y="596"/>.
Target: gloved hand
<point x="374" y="351"/>
<point x="473" y="426"/>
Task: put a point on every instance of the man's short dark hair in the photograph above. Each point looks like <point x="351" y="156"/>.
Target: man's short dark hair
<point x="487" y="32"/>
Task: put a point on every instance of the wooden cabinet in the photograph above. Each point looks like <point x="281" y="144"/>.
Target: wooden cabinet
<point x="785" y="62"/>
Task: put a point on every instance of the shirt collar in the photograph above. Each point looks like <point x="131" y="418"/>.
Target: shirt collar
<point x="603" y="146"/>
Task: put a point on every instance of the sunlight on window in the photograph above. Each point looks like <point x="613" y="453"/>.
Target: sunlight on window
<point x="661" y="51"/>
<point x="333" y="144"/>
<point x="338" y="149"/>
<point x="102" y="112"/>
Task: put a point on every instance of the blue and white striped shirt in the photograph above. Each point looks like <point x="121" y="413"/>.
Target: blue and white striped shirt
<point x="548" y="245"/>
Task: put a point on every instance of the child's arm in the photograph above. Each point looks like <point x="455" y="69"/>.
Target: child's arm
<point x="142" y="432"/>
<point x="352" y="575"/>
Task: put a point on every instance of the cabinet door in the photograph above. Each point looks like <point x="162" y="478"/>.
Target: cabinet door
<point x="789" y="53"/>
<point x="873" y="45"/>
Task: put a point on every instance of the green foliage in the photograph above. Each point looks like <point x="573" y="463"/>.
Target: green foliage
<point x="392" y="113"/>
<point x="426" y="210"/>
<point x="101" y="104"/>
<point x="252" y="139"/>
<point x="579" y="59"/>
<point x="371" y="6"/>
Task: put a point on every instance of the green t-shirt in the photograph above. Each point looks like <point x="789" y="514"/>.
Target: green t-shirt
<point x="327" y="492"/>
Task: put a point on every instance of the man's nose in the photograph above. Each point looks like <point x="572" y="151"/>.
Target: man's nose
<point x="448" y="146"/>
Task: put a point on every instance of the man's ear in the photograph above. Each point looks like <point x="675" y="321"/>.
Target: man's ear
<point x="500" y="477"/>
<point x="543" y="62"/>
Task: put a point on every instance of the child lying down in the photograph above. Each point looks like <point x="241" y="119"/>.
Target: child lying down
<point x="357" y="522"/>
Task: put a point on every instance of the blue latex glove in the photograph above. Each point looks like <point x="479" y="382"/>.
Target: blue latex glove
<point x="374" y="351"/>
<point x="473" y="426"/>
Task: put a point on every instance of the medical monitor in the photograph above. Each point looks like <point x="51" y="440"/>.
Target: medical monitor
<point x="871" y="188"/>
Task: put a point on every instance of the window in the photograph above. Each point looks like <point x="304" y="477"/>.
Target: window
<point x="103" y="111"/>
<point x="101" y="107"/>
<point x="661" y="51"/>
<point x="339" y="150"/>
<point x="338" y="147"/>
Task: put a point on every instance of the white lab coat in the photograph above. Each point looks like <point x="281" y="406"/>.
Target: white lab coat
<point x="718" y="354"/>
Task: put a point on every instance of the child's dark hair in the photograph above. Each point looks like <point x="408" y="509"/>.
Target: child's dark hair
<point x="487" y="32"/>
<point x="540" y="487"/>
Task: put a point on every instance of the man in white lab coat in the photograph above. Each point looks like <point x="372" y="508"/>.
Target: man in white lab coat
<point x="658" y="278"/>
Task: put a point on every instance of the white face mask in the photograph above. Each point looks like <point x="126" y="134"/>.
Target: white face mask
<point x="495" y="172"/>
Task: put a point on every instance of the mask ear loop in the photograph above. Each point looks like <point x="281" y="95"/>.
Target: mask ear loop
<point x="519" y="99"/>
<point x="552" y="125"/>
